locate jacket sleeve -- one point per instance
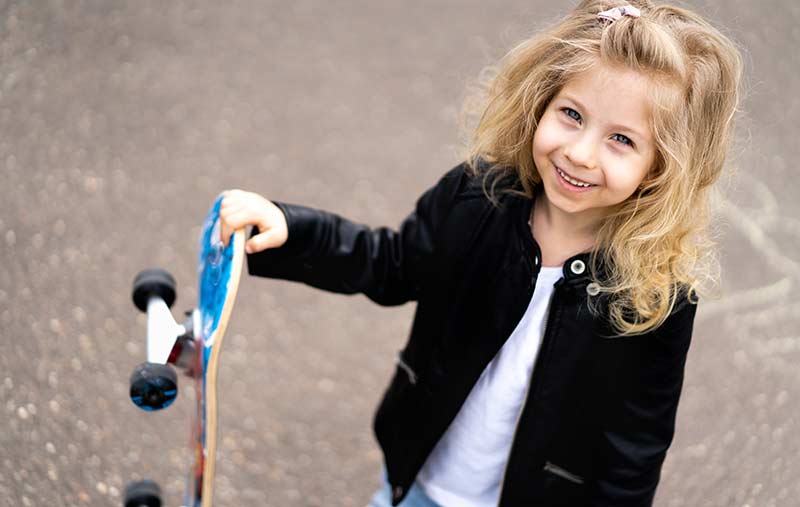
(637, 431)
(330, 252)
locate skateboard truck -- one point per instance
(154, 384)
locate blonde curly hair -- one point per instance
(655, 245)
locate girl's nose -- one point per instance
(581, 151)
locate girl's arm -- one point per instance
(329, 252)
(637, 431)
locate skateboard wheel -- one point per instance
(153, 281)
(144, 493)
(153, 386)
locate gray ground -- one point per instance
(120, 122)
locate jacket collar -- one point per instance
(575, 268)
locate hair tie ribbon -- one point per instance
(617, 12)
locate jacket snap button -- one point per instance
(577, 266)
(398, 492)
(593, 289)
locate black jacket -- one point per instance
(600, 411)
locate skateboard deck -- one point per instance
(219, 269)
(194, 347)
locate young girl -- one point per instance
(556, 270)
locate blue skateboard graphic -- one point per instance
(193, 347)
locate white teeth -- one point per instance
(575, 182)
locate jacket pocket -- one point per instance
(401, 394)
(562, 488)
(403, 412)
(564, 474)
(403, 365)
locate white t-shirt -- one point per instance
(466, 466)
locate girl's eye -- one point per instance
(575, 115)
(622, 139)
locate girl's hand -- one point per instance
(240, 208)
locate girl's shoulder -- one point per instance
(483, 179)
(462, 181)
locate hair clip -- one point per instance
(617, 12)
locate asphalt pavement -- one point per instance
(121, 121)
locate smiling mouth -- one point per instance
(573, 181)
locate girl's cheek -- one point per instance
(548, 136)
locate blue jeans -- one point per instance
(416, 496)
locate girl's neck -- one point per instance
(573, 232)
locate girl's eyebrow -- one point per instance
(616, 126)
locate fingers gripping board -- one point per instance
(219, 269)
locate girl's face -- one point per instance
(596, 130)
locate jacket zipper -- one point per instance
(538, 364)
(563, 473)
(412, 377)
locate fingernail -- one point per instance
(248, 249)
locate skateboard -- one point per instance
(193, 347)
